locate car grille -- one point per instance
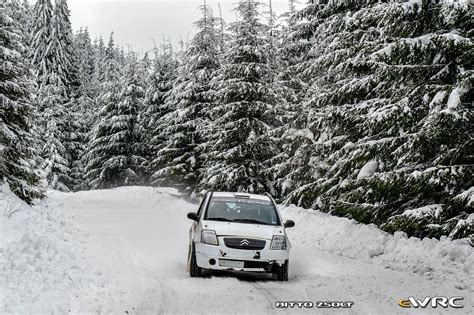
(244, 243)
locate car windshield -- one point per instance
(242, 210)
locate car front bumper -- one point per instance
(220, 257)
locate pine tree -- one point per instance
(77, 112)
(21, 14)
(178, 161)
(131, 106)
(159, 84)
(112, 158)
(86, 92)
(67, 70)
(65, 65)
(99, 60)
(245, 111)
(223, 36)
(81, 108)
(42, 27)
(290, 168)
(56, 161)
(390, 115)
(78, 128)
(84, 55)
(145, 67)
(17, 154)
(57, 80)
(293, 45)
(121, 56)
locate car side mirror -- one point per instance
(289, 224)
(193, 216)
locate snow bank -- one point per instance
(442, 258)
(42, 269)
(39, 267)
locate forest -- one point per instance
(358, 108)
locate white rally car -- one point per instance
(238, 231)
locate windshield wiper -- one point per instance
(251, 221)
(219, 219)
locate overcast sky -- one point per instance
(136, 22)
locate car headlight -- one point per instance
(278, 242)
(209, 237)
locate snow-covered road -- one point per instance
(132, 243)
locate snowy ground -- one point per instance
(124, 251)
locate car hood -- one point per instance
(243, 229)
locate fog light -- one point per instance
(212, 261)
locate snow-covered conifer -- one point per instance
(61, 46)
(17, 145)
(52, 96)
(289, 168)
(80, 108)
(112, 158)
(158, 85)
(41, 56)
(21, 14)
(98, 49)
(84, 56)
(244, 113)
(145, 66)
(178, 161)
(389, 107)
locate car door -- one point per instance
(192, 230)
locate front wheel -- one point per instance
(194, 269)
(281, 272)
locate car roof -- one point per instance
(225, 194)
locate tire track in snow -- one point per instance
(268, 295)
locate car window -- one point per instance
(242, 210)
(201, 206)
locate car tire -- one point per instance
(194, 270)
(281, 272)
